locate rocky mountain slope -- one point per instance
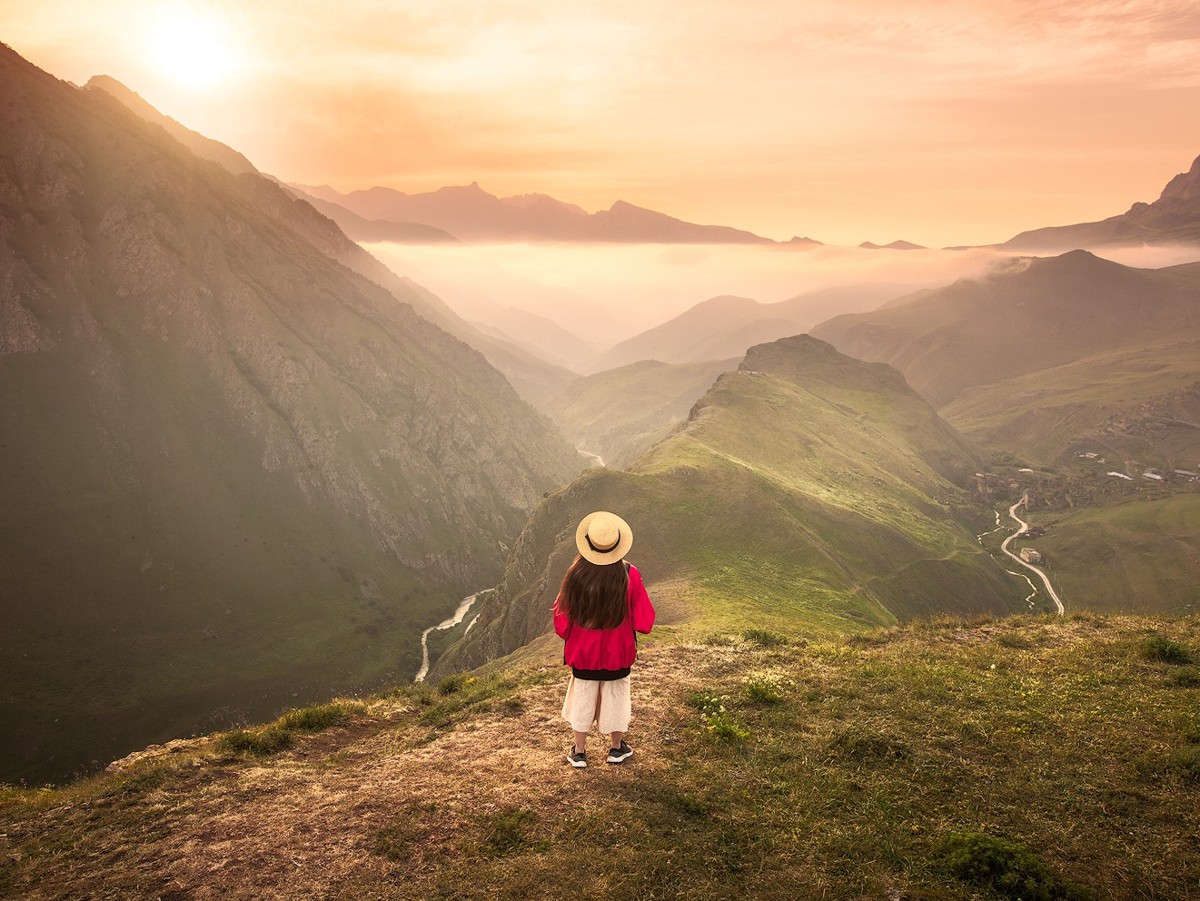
(535, 379)
(1172, 219)
(843, 513)
(218, 439)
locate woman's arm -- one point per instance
(641, 610)
(561, 624)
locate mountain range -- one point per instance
(1080, 377)
(1174, 218)
(846, 512)
(237, 471)
(472, 214)
(1046, 355)
(725, 327)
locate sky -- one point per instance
(936, 121)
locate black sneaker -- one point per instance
(621, 754)
(577, 758)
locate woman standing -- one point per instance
(601, 604)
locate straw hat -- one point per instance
(603, 538)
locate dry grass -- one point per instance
(1058, 739)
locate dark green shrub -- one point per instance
(1162, 650)
(321, 716)
(452, 683)
(765, 638)
(259, 742)
(1007, 868)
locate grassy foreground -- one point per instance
(1020, 758)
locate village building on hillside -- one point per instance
(1029, 555)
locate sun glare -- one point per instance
(192, 45)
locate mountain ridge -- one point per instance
(218, 438)
(1174, 218)
(726, 326)
(469, 213)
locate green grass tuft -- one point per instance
(1007, 868)
(321, 716)
(864, 744)
(1186, 677)
(258, 742)
(509, 831)
(766, 688)
(1162, 650)
(765, 638)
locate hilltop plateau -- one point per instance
(946, 760)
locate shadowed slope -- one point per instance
(236, 471)
(620, 413)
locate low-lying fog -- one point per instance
(604, 293)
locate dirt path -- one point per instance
(1022, 526)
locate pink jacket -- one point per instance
(607, 649)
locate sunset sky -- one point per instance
(939, 121)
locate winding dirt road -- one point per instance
(1012, 512)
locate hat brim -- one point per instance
(603, 558)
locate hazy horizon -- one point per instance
(605, 293)
(939, 123)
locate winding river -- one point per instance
(449, 623)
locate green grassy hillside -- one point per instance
(1135, 554)
(1028, 316)
(1141, 402)
(1023, 758)
(1053, 359)
(805, 488)
(619, 414)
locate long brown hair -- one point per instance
(593, 596)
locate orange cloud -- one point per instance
(941, 121)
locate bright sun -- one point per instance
(192, 45)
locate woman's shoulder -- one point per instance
(633, 571)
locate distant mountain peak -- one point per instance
(203, 147)
(1172, 219)
(1183, 188)
(895, 245)
(803, 358)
